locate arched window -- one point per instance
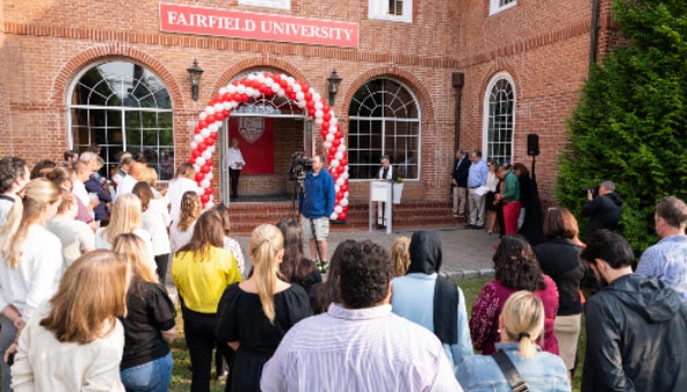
(384, 120)
(499, 116)
(123, 106)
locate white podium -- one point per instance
(381, 192)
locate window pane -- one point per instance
(378, 125)
(500, 126)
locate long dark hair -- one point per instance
(294, 267)
(516, 265)
(328, 292)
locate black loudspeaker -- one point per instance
(533, 144)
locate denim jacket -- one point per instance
(544, 372)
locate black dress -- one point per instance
(241, 319)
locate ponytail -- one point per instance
(523, 319)
(265, 244)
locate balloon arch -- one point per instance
(253, 86)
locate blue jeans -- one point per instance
(153, 376)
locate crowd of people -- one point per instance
(85, 307)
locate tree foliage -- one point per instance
(630, 123)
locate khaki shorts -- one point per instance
(321, 228)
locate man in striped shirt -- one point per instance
(359, 345)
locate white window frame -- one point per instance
(495, 6)
(485, 119)
(279, 4)
(379, 9)
(385, 121)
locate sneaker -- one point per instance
(323, 267)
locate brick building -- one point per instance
(422, 78)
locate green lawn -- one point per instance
(181, 376)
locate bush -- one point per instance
(630, 124)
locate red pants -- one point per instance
(511, 211)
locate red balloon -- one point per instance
(339, 195)
(196, 131)
(199, 177)
(342, 216)
(202, 124)
(338, 134)
(326, 108)
(344, 188)
(311, 112)
(325, 125)
(202, 146)
(305, 87)
(205, 169)
(208, 163)
(339, 169)
(336, 143)
(343, 162)
(210, 118)
(330, 157)
(192, 160)
(195, 153)
(308, 96)
(208, 191)
(327, 116)
(205, 199)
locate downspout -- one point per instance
(458, 80)
(594, 33)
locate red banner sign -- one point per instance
(236, 24)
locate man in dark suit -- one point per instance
(460, 182)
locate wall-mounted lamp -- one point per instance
(333, 83)
(195, 72)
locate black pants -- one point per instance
(234, 175)
(162, 262)
(199, 329)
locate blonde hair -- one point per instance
(190, 210)
(523, 319)
(67, 201)
(149, 175)
(38, 194)
(125, 216)
(134, 252)
(400, 255)
(92, 294)
(266, 241)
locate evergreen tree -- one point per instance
(631, 123)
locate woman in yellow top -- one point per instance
(201, 270)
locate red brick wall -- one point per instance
(543, 44)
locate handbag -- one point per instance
(517, 384)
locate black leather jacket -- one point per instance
(636, 337)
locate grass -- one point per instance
(181, 375)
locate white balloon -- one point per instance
(342, 148)
(344, 175)
(233, 105)
(231, 89)
(194, 144)
(333, 216)
(213, 127)
(318, 114)
(199, 138)
(344, 202)
(218, 107)
(223, 90)
(318, 121)
(251, 76)
(327, 145)
(334, 163)
(332, 129)
(261, 78)
(209, 110)
(205, 132)
(340, 181)
(226, 105)
(316, 97)
(211, 149)
(206, 154)
(196, 167)
(209, 176)
(300, 96)
(338, 209)
(330, 137)
(297, 87)
(291, 80)
(337, 188)
(205, 183)
(200, 161)
(338, 156)
(202, 116)
(318, 104)
(333, 121)
(241, 89)
(251, 92)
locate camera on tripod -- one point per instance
(300, 166)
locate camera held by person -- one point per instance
(603, 207)
(300, 166)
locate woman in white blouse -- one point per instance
(125, 218)
(155, 220)
(236, 163)
(491, 185)
(183, 182)
(181, 231)
(30, 265)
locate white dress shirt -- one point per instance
(235, 159)
(368, 349)
(178, 238)
(176, 191)
(126, 186)
(155, 221)
(38, 275)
